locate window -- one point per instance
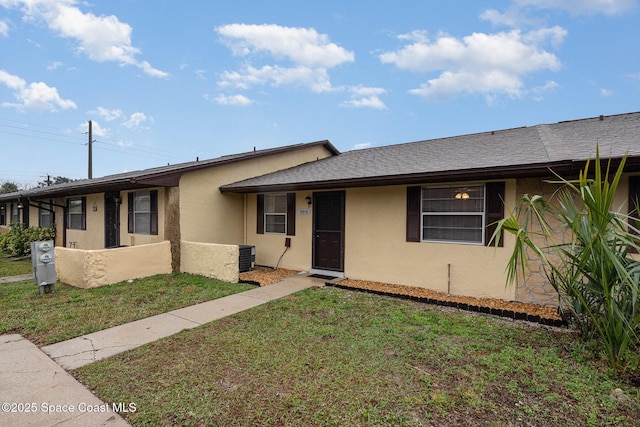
(276, 214)
(3, 214)
(77, 209)
(15, 213)
(143, 212)
(459, 214)
(453, 214)
(45, 216)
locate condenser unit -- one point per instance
(247, 258)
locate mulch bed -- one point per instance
(263, 276)
(513, 310)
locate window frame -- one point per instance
(45, 209)
(455, 189)
(267, 214)
(152, 212)
(82, 213)
(290, 229)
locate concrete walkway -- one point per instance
(20, 278)
(33, 379)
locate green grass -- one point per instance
(11, 267)
(327, 356)
(70, 312)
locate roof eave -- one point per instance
(488, 173)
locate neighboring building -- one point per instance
(416, 214)
(174, 202)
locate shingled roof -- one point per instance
(160, 176)
(519, 152)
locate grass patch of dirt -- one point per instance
(14, 266)
(70, 312)
(327, 356)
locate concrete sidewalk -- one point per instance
(31, 381)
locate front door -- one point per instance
(111, 219)
(328, 231)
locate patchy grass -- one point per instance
(327, 356)
(9, 266)
(70, 312)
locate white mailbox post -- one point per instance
(44, 268)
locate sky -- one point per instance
(169, 81)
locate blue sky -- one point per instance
(167, 81)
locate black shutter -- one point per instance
(84, 213)
(130, 212)
(291, 214)
(414, 197)
(153, 214)
(494, 210)
(25, 213)
(260, 214)
(634, 203)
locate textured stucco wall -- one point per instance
(207, 215)
(376, 247)
(210, 260)
(95, 268)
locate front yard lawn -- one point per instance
(328, 357)
(70, 312)
(12, 266)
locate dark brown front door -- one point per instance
(328, 231)
(111, 219)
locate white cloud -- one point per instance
(101, 38)
(233, 100)
(35, 96)
(582, 7)
(97, 131)
(488, 64)
(4, 28)
(606, 92)
(54, 65)
(316, 79)
(109, 115)
(310, 54)
(361, 146)
(303, 46)
(366, 97)
(136, 120)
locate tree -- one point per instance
(584, 246)
(8, 187)
(54, 181)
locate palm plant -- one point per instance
(584, 246)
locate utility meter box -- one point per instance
(44, 268)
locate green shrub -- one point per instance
(17, 241)
(597, 279)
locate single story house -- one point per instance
(418, 213)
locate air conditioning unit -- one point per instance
(247, 259)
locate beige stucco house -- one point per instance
(420, 213)
(416, 214)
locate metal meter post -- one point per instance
(44, 268)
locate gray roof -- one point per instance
(160, 176)
(525, 151)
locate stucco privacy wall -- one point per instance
(207, 215)
(376, 247)
(95, 268)
(210, 260)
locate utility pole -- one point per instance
(90, 152)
